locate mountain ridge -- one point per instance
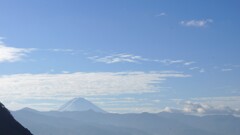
(95, 123)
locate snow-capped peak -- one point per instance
(80, 104)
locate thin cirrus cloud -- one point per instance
(196, 23)
(130, 58)
(68, 85)
(61, 50)
(169, 62)
(201, 70)
(118, 58)
(179, 61)
(12, 54)
(161, 14)
(227, 67)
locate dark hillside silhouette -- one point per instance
(8, 125)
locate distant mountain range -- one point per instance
(8, 125)
(91, 121)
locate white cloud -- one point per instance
(12, 54)
(59, 86)
(209, 106)
(189, 63)
(118, 58)
(194, 108)
(196, 23)
(207, 109)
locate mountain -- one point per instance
(8, 125)
(95, 123)
(68, 123)
(80, 104)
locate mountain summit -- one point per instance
(80, 104)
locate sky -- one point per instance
(123, 55)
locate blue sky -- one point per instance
(125, 56)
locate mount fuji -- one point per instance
(79, 104)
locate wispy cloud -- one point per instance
(67, 51)
(61, 50)
(130, 58)
(194, 68)
(182, 62)
(227, 67)
(169, 61)
(12, 54)
(118, 58)
(161, 14)
(189, 63)
(201, 70)
(68, 85)
(196, 23)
